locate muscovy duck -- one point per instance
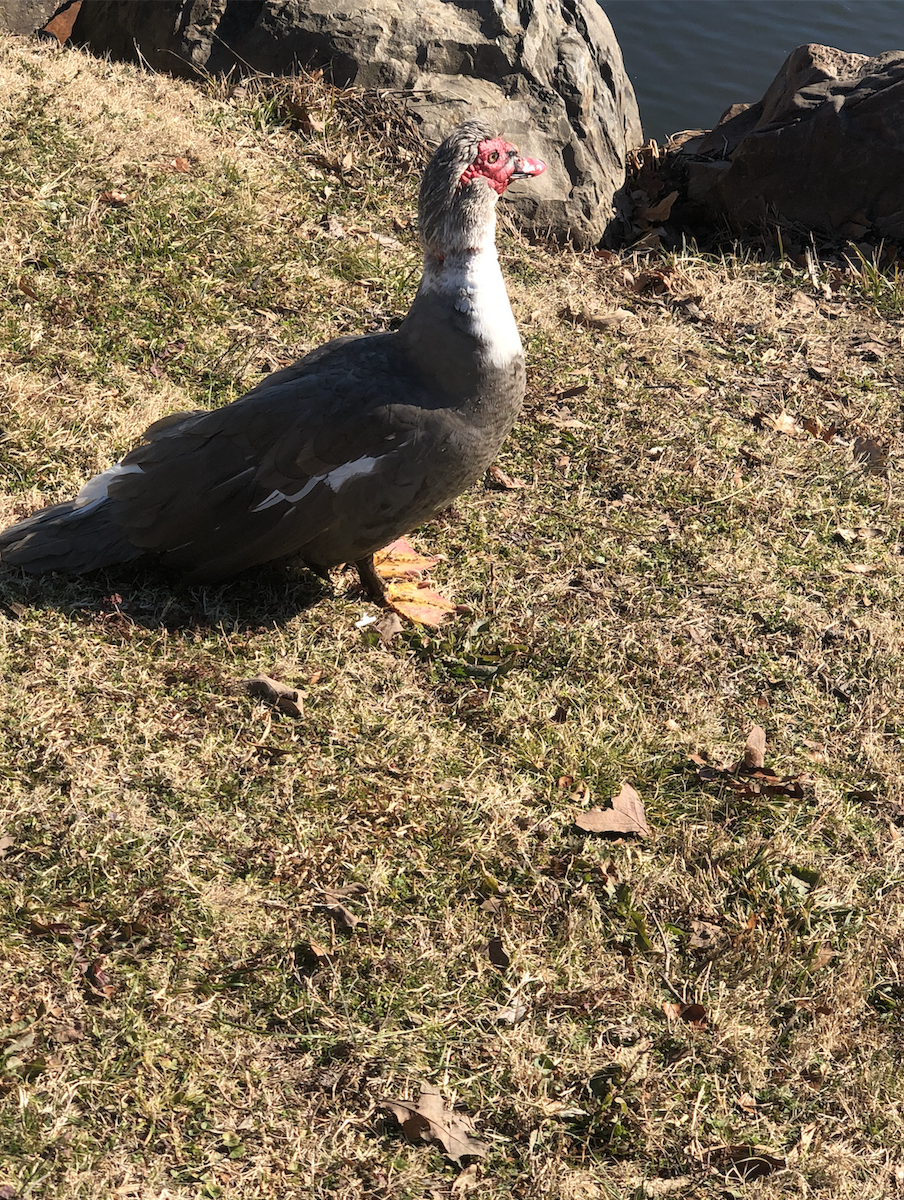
(333, 457)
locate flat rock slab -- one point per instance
(549, 75)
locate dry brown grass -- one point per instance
(671, 575)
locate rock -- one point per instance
(550, 76)
(824, 148)
(26, 16)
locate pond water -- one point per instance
(690, 59)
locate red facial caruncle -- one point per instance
(500, 163)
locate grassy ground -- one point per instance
(182, 1016)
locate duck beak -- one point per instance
(527, 168)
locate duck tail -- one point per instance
(67, 537)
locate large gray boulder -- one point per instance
(549, 74)
(26, 16)
(823, 148)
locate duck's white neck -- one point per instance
(470, 280)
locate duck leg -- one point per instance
(375, 586)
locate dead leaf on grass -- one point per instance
(704, 935)
(428, 1119)
(825, 433)
(661, 211)
(340, 915)
(874, 351)
(507, 482)
(334, 908)
(467, 1181)
(755, 750)
(783, 422)
(287, 699)
(6, 842)
(745, 1162)
(871, 454)
(114, 197)
(497, 954)
(694, 1014)
(387, 626)
(747, 779)
(97, 980)
(590, 319)
(627, 815)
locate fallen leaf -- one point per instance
(825, 433)
(755, 750)
(822, 958)
(25, 286)
(745, 1162)
(590, 319)
(801, 302)
(505, 481)
(286, 699)
(98, 980)
(310, 956)
(383, 239)
(512, 1013)
(747, 1102)
(497, 954)
(872, 455)
(6, 842)
(335, 228)
(627, 815)
(113, 197)
(694, 1014)
(704, 935)
(784, 422)
(873, 351)
(428, 1119)
(346, 891)
(467, 1181)
(387, 626)
(340, 915)
(661, 211)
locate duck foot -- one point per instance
(397, 570)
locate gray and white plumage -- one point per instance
(332, 458)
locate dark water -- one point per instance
(690, 59)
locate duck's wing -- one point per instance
(215, 492)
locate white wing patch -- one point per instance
(334, 479)
(98, 487)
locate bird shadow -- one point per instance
(150, 597)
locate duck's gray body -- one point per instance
(332, 458)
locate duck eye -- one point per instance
(493, 156)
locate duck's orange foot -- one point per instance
(401, 567)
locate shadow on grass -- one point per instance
(150, 597)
